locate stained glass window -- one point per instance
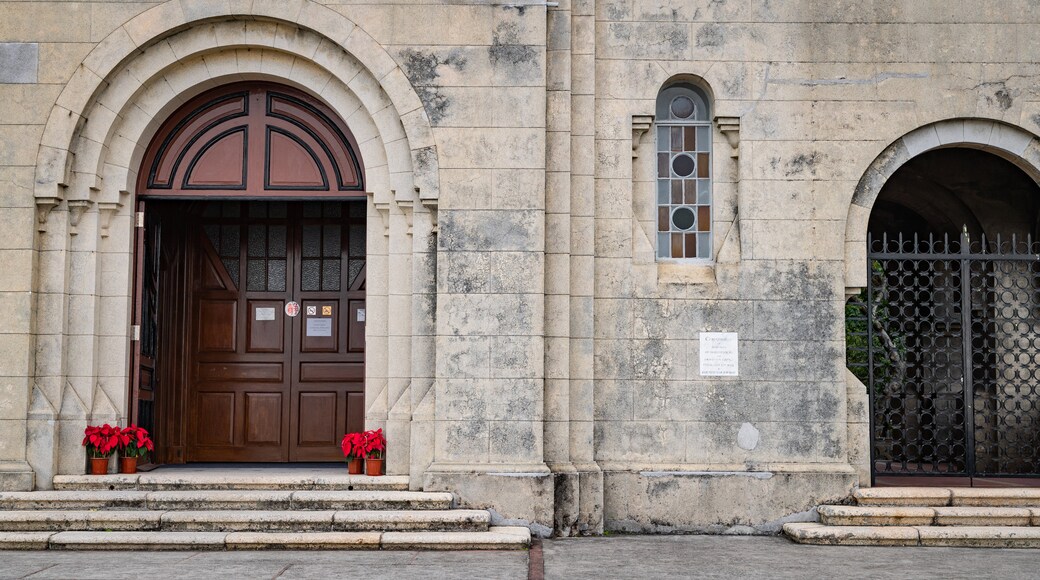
(684, 175)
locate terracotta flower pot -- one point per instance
(127, 465)
(98, 465)
(373, 467)
(354, 466)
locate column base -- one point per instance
(516, 495)
(16, 476)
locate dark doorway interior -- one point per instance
(947, 335)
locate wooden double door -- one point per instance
(277, 330)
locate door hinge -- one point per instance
(135, 333)
(139, 219)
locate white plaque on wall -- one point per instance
(718, 354)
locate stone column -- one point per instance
(51, 311)
(399, 334)
(582, 263)
(424, 331)
(376, 309)
(17, 228)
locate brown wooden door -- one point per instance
(268, 386)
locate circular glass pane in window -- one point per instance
(683, 218)
(683, 165)
(682, 107)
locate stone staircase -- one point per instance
(212, 511)
(928, 516)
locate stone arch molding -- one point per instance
(1007, 141)
(87, 165)
(79, 128)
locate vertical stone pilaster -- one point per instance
(49, 382)
(399, 333)
(424, 331)
(17, 228)
(582, 264)
(491, 301)
(377, 235)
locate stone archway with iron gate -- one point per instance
(943, 323)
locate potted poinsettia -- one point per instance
(134, 443)
(374, 446)
(101, 442)
(353, 450)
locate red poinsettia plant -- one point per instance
(352, 446)
(373, 444)
(101, 442)
(134, 441)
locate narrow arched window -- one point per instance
(683, 173)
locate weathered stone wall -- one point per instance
(526, 350)
(821, 89)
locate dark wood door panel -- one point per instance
(218, 325)
(264, 418)
(265, 325)
(266, 386)
(215, 419)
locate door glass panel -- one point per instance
(311, 241)
(256, 275)
(357, 241)
(330, 275)
(355, 269)
(276, 241)
(277, 209)
(257, 241)
(276, 275)
(332, 209)
(331, 245)
(258, 209)
(310, 279)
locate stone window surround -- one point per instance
(86, 172)
(644, 150)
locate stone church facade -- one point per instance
(566, 212)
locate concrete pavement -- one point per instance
(598, 558)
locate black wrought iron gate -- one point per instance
(950, 331)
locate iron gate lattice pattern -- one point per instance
(947, 334)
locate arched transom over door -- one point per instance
(255, 140)
(251, 280)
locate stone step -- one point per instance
(843, 515)
(496, 538)
(225, 500)
(236, 480)
(952, 496)
(948, 536)
(245, 520)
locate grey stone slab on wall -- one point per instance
(19, 62)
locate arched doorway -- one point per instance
(946, 334)
(250, 279)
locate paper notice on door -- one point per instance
(361, 315)
(319, 327)
(265, 313)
